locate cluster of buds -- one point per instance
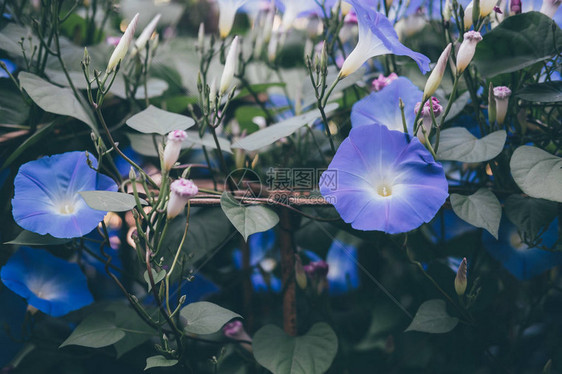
(427, 117)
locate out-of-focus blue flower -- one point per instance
(446, 226)
(47, 199)
(383, 107)
(384, 180)
(11, 68)
(376, 37)
(292, 9)
(518, 258)
(262, 260)
(122, 165)
(48, 283)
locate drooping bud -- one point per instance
(427, 118)
(146, 34)
(181, 190)
(460, 279)
(436, 75)
(173, 148)
(467, 49)
(549, 7)
(501, 94)
(123, 46)
(229, 66)
(382, 81)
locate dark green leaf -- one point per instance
(33, 139)
(432, 317)
(136, 330)
(519, 41)
(30, 238)
(109, 201)
(155, 120)
(280, 353)
(13, 108)
(548, 92)
(96, 331)
(156, 276)
(54, 99)
(458, 144)
(248, 219)
(481, 209)
(537, 172)
(203, 318)
(528, 214)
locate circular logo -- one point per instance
(243, 182)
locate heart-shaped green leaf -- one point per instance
(481, 209)
(458, 144)
(204, 318)
(432, 317)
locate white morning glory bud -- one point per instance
(549, 7)
(146, 34)
(501, 94)
(227, 12)
(272, 47)
(229, 66)
(436, 75)
(181, 190)
(447, 10)
(267, 28)
(213, 93)
(173, 148)
(460, 279)
(486, 7)
(427, 118)
(467, 49)
(201, 37)
(121, 50)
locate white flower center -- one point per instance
(65, 206)
(384, 190)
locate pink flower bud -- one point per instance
(426, 115)
(515, 6)
(467, 49)
(173, 148)
(235, 330)
(501, 94)
(382, 81)
(181, 190)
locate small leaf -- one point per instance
(248, 219)
(157, 276)
(528, 214)
(271, 134)
(203, 318)
(458, 144)
(432, 317)
(109, 201)
(547, 92)
(154, 120)
(54, 99)
(311, 353)
(159, 361)
(537, 172)
(482, 209)
(96, 331)
(30, 238)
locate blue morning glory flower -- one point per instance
(48, 283)
(384, 180)
(263, 261)
(376, 37)
(383, 108)
(517, 257)
(47, 201)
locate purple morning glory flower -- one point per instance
(384, 180)
(376, 37)
(517, 257)
(46, 199)
(48, 283)
(383, 107)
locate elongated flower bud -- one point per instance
(549, 7)
(121, 50)
(173, 148)
(213, 93)
(467, 49)
(436, 75)
(486, 7)
(501, 94)
(467, 19)
(181, 190)
(201, 37)
(146, 33)
(460, 279)
(229, 66)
